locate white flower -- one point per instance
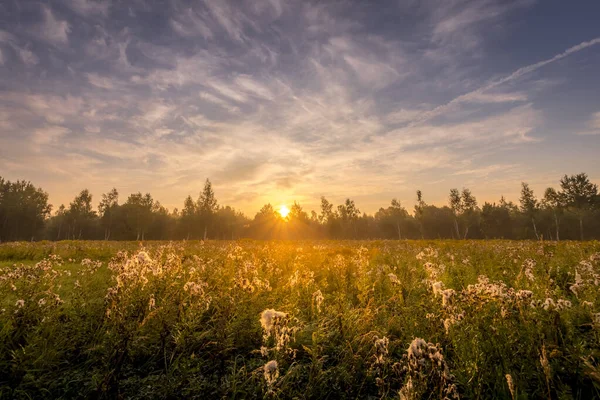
(271, 372)
(20, 303)
(447, 296)
(318, 299)
(437, 287)
(394, 279)
(381, 348)
(268, 318)
(143, 257)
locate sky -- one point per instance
(278, 101)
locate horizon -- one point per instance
(283, 101)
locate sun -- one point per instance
(284, 211)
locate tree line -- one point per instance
(571, 212)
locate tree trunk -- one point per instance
(556, 223)
(581, 227)
(456, 228)
(535, 229)
(399, 231)
(205, 231)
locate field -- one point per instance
(327, 319)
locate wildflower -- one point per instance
(548, 304)
(270, 317)
(20, 303)
(271, 372)
(447, 296)
(318, 299)
(406, 393)
(41, 302)
(447, 324)
(394, 279)
(437, 287)
(587, 304)
(562, 304)
(545, 363)
(523, 294)
(151, 303)
(511, 385)
(143, 258)
(381, 349)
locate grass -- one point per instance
(339, 319)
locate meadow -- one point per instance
(304, 320)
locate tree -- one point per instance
(398, 214)
(81, 214)
(107, 210)
(207, 206)
(188, 217)
(579, 196)
(326, 210)
(298, 222)
(138, 213)
(469, 210)
(529, 205)
(267, 223)
(553, 201)
(349, 214)
(496, 221)
(60, 218)
(464, 207)
(456, 205)
(419, 209)
(23, 210)
(391, 220)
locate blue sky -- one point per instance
(280, 100)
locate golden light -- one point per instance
(284, 211)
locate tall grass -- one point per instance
(323, 319)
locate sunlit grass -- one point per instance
(300, 319)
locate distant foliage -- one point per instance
(571, 212)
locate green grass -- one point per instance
(134, 329)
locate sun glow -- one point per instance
(284, 211)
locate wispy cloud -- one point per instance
(276, 100)
(592, 125)
(54, 30)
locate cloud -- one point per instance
(274, 101)
(475, 94)
(100, 81)
(190, 23)
(49, 134)
(52, 29)
(89, 7)
(592, 126)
